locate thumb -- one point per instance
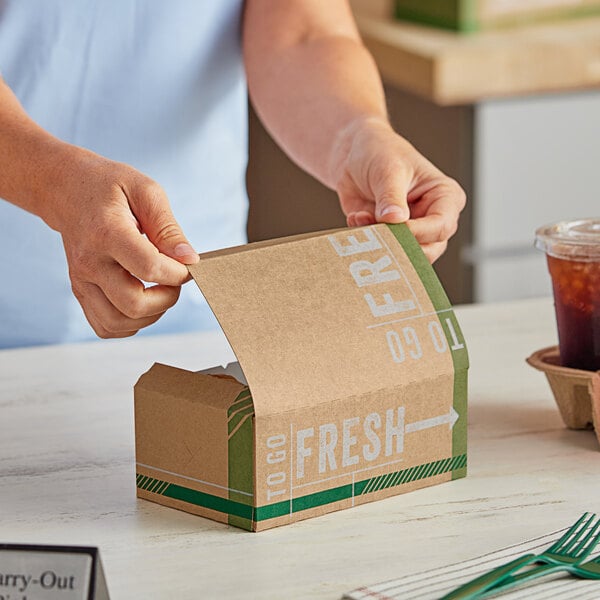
(152, 209)
(391, 205)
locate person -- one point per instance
(123, 124)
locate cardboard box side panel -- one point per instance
(230, 490)
(157, 480)
(178, 437)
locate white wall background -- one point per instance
(537, 161)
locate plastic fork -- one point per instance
(573, 547)
(586, 570)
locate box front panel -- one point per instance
(355, 450)
(345, 453)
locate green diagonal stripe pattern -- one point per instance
(244, 514)
(238, 406)
(238, 417)
(179, 492)
(242, 397)
(382, 482)
(151, 484)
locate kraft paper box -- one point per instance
(473, 15)
(357, 383)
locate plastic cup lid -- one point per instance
(574, 240)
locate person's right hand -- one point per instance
(118, 231)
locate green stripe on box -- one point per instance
(240, 448)
(423, 267)
(242, 397)
(238, 417)
(454, 336)
(242, 514)
(235, 510)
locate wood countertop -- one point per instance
(450, 68)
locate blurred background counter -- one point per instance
(513, 114)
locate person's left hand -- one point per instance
(381, 178)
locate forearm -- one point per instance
(311, 87)
(31, 158)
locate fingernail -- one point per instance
(182, 250)
(363, 219)
(394, 210)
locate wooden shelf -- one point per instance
(450, 68)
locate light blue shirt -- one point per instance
(157, 85)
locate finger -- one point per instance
(434, 251)
(106, 320)
(390, 190)
(436, 212)
(129, 295)
(150, 206)
(140, 257)
(360, 219)
(433, 228)
(126, 293)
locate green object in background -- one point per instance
(467, 16)
(459, 15)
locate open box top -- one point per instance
(309, 317)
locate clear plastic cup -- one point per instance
(573, 253)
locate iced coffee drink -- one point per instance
(573, 253)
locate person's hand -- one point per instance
(118, 231)
(381, 178)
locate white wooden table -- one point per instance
(67, 474)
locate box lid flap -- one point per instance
(318, 317)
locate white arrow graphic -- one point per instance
(450, 417)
